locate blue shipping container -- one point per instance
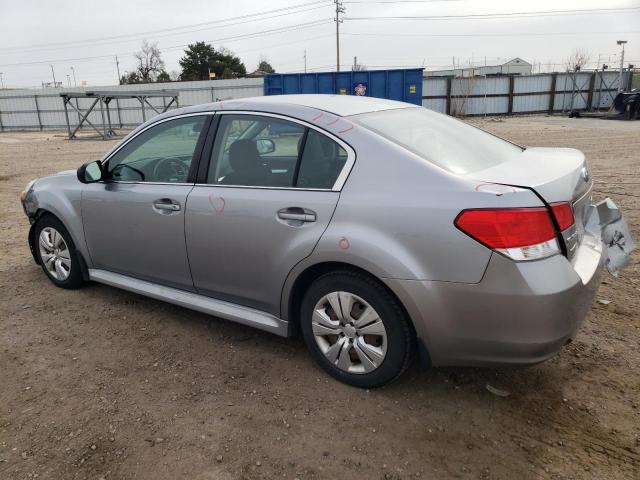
(402, 85)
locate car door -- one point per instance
(134, 220)
(260, 206)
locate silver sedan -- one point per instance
(380, 230)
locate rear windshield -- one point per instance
(440, 139)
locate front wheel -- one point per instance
(57, 254)
(356, 329)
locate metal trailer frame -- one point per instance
(104, 98)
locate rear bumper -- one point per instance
(520, 313)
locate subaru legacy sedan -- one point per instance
(380, 230)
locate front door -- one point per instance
(266, 199)
(134, 221)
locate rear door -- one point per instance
(262, 202)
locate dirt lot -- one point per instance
(100, 383)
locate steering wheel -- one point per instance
(168, 169)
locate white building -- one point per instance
(515, 66)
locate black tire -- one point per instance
(74, 279)
(399, 334)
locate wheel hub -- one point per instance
(349, 331)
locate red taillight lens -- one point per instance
(563, 214)
(507, 227)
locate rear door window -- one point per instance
(254, 150)
(264, 151)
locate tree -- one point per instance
(265, 66)
(163, 76)
(200, 58)
(577, 60)
(150, 63)
(130, 78)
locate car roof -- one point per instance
(340, 105)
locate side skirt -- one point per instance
(229, 311)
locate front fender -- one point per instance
(60, 195)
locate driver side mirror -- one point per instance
(265, 145)
(90, 172)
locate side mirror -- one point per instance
(265, 145)
(90, 172)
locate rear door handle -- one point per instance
(166, 205)
(297, 213)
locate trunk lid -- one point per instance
(556, 175)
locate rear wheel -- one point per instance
(57, 253)
(355, 329)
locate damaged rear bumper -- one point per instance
(521, 312)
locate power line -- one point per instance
(486, 34)
(180, 30)
(484, 16)
(173, 47)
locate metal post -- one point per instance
(552, 92)
(107, 100)
(600, 89)
(511, 86)
(119, 113)
(592, 84)
(66, 114)
(77, 108)
(35, 99)
(622, 43)
(144, 116)
(448, 100)
(104, 124)
(339, 10)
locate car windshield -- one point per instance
(440, 139)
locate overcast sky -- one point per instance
(65, 34)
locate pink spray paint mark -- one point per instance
(350, 127)
(344, 244)
(317, 116)
(218, 206)
(336, 120)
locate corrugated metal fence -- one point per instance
(555, 92)
(548, 93)
(43, 108)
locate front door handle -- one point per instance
(297, 213)
(166, 205)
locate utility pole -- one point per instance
(355, 62)
(1, 81)
(305, 61)
(69, 81)
(339, 9)
(118, 69)
(73, 70)
(620, 87)
(54, 76)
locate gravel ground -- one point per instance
(101, 383)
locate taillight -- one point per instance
(563, 213)
(519, 233)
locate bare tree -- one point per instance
(358, 67)
(150, 63)
(577, 60)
